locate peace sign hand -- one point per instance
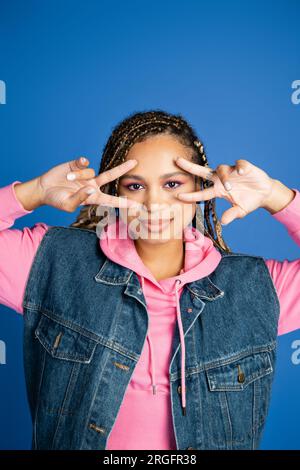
(249, 186)
(72, 184)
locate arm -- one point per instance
(247, 187)
(286, 274)
(53, 188)
(17, 247)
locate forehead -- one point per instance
(157, 155)
(158, 146)
(156, 158)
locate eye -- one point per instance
(176, 182)
(131, 186)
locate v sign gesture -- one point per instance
(71, 184)
(244, 185)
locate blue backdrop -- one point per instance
(70, 70)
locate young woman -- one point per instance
(144, 330)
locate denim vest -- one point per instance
(85, 324)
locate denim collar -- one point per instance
(115, 274)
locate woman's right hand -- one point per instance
(54, 188)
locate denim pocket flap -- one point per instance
(64, 342)
(239, 373)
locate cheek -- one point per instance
(128, 219)
(136, 195)
(184, 212)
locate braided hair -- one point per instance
(137, 127)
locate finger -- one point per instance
(75, 199)
(196, 169)
(85, 174)
(79, 163)
(113, 173)
(235, 212)
(112, 201)
(242, 166)
(204, 195)
(224, 171)
(117, 201)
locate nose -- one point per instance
(152, 207)
(157, 209)
(156, 204)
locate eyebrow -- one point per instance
(166, 175)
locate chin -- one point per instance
(155, 238)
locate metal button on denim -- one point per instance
(241, 378)
(241, 375)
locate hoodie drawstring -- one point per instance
(183, 392)
(182, 343)
(151, 353)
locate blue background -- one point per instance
(73, 69)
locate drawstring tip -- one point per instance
(154, 389)
(183, 411)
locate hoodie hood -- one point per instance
(201, 258)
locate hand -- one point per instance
(250, 188)
(59, 191)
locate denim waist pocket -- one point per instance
(238, 397)
(239, 373)
(63, 341)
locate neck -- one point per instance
(163, 260)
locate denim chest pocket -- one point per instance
(238, 397)
(237, 375)
(64, 342)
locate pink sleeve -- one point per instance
(17, 249)
(286, 274)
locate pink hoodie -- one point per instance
(144, 420)
(201, 258)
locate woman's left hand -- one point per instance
(250, 187)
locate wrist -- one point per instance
(29, 194)
(280, 197)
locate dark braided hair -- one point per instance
(137, 127)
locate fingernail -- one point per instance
(83, 160)
(71, 176)
(227, 186)
(240, 171)
(90, 190)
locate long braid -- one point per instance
(210, 206)
(137, 127)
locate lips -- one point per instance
(156, 224)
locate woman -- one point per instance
(94, 292)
